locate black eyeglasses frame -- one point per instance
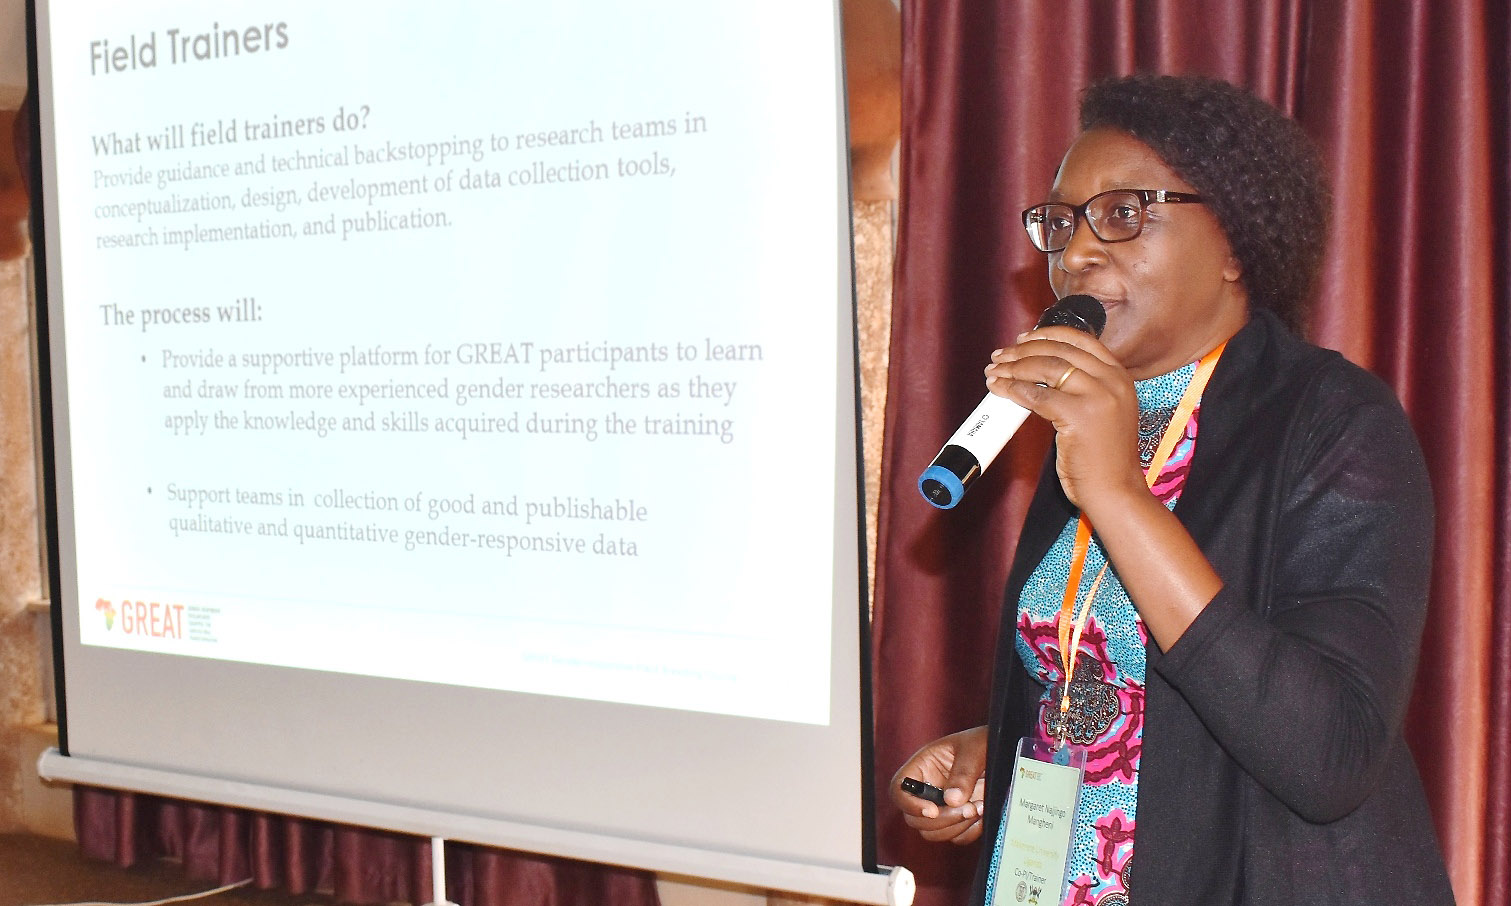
(1146, 197)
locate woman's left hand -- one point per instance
(1069, 378)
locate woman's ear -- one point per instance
(1232, 270)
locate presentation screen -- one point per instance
(453, 406)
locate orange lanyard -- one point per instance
(1071, 624)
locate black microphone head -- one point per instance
(1079, 311)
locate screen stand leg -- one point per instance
(438, 873)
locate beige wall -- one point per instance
(20, 689)
(23, 802)
(12, 50)
(21, 696)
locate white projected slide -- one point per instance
(491, 350)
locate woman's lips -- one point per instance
(1107, 300)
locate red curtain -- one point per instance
(1408, 102)
(356, 865)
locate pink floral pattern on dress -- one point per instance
(1172, 478)
(1114, 834)
(1114, 752)
(1106, 717)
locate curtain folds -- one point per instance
(355, 865)
(1409, 103)
(1497, 805)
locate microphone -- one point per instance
(987, 430)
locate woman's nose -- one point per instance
(1083, 250)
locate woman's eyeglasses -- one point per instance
(1114, 216)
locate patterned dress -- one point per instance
(1106, 716)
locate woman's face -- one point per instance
(1172, 293)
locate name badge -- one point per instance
(1032, 851)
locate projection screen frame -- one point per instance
(882, 886)
(892, 886)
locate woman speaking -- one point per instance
(1213, 614)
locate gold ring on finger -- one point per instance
(1065, 377)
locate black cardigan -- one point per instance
(1274, 770)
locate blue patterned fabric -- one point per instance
(1107, 692)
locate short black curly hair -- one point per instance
(1259, 172)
